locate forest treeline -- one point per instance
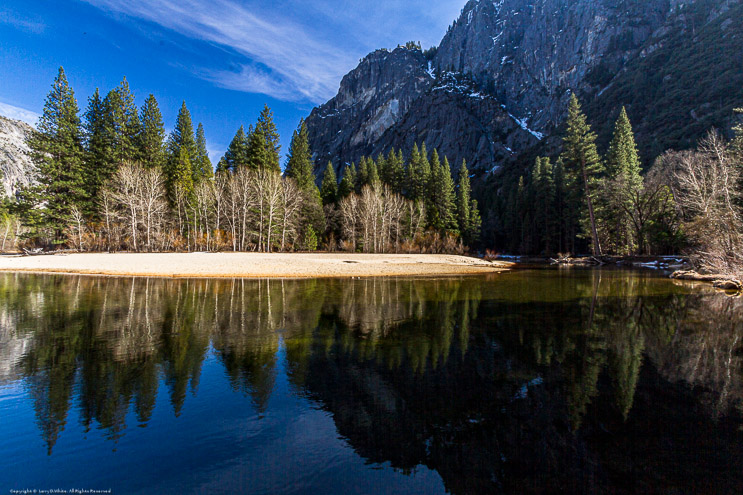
(112, 180)
(687, 201)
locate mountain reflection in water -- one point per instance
(526, 382)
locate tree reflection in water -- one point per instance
(520, 383)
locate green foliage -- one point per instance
(236, 155)
(264, 147)
(310, 239)
(468, 216)
(121, 127)
(181, 147)
(152, 134)
(329, 187)
(441, 202)
(300, 166)
(583, 164)
(202, 165)
(57, 152)
(347, 186)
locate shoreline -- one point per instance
(251, 265)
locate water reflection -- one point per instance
(519, 383)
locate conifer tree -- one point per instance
(347, 186)
(122, 126)
(236, 155)
(257, 154)
(468, 214)
(329, 188)
(582, 161)
(395, 171)
(418, 174)
(362, 174)
(202, 165)
(625, 182)
(57, 152)
(543, 197)
(447, 199)
(265, 156)
(151, 141)
(299, 165)
(181, 147)
(374, 180)
(96, 150)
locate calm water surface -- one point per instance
(548, 381)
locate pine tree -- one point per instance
(362, 174)
(329, 188)
(299, 165)
(468, 215)
(57, 152)
(266, 134)
(373, 171)
(623, 170)
(738, 139)
(441, 204)
(181, 147)
(582, 161)
(346, 187)
(96, 151)
(202, 165)
(543, 203)
(419, 172)
(152, 134)
(395, 172)
(122, 126)
(257, 155)
(237, 154)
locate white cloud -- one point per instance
(295, 50)
(18, 113)
(297, 65)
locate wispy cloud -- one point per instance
(20, 22)
(294, 50)
(283, 59)
(18, 113)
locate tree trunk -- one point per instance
(594, 232)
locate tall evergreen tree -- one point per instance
(543, 204)
(181, 147)
(362, 174)
(202, 165)
(57, 152)
(329, 188)
(122, 126)
(394, 175)
(267, 136)
(257, 153)
(151, 141)
(468, 214)
(237, 154)
(441, 196)
(96, 150)
(299, 165)
(625, 183)
(347, 185)
(581, 159)
(373, 171)
(419, 172)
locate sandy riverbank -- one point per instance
(251, 265)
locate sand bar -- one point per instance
(251, 265)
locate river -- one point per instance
(532, 381)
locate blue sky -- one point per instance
(226, 58)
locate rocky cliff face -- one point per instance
(530, 53)
(502, 75)
(15, 161)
